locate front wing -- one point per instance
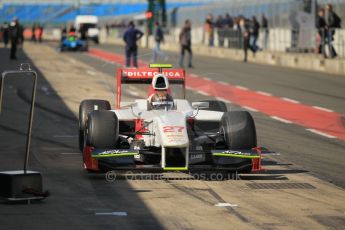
(125, 159)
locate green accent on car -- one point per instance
(101, 153)
(236, 155)
(161, 65)
(175, 168)
(114, 155)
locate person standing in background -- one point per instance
(40, 33)
(228, 22)
(244, 28)
(333, 22)
(5, 33)
(14, 37)
(321, 27)
(107, 29)
(159, 38)
(131, 36)
(264, 26)
(83, 32)
(63, 33)
(209, 29)
(220, 30)
(254, 35)
(186, 43)
(33, 36)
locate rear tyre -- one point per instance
(102, 130)
(85, 108)
(215, 105)
(239, 132)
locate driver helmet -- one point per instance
(161, 98)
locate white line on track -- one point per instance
(110, 213)
(225, 205)
(202, 93)
(206, 78)
(323, 109)
(65, 136)
(133, 93)
(223, 83)
(91, 72)
(189, 88)
(320, 133)
(272, 154)
(250, 109)
(281, 119)
(290, 100)
(241, 87)
(264, 93)
(193, 75)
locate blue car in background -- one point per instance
(72, 42)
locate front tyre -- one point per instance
(238, 130)
(102, 130)
(85, 108)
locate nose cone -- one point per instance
(173, 131)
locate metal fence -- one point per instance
(275, 40)
(278, 12)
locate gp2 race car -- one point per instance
(73, 43)
(165, 135)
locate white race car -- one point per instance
(165, 133)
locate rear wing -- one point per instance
(145, 76)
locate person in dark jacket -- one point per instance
(220, 30)
(131, 36)
(254, 34)
(5, 33)
(159, 38)
(332, 23)
(186, 43)
(63, 33)
(33, 37)
(321, 28)
(83, 32)
(264, 26)
(15, 35)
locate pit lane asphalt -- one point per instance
(87, 201)
(321, 156)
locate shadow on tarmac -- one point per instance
(76, 201)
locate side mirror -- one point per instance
(136, 115)
(200, 105)
(196, 109)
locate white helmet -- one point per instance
(160, 82)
